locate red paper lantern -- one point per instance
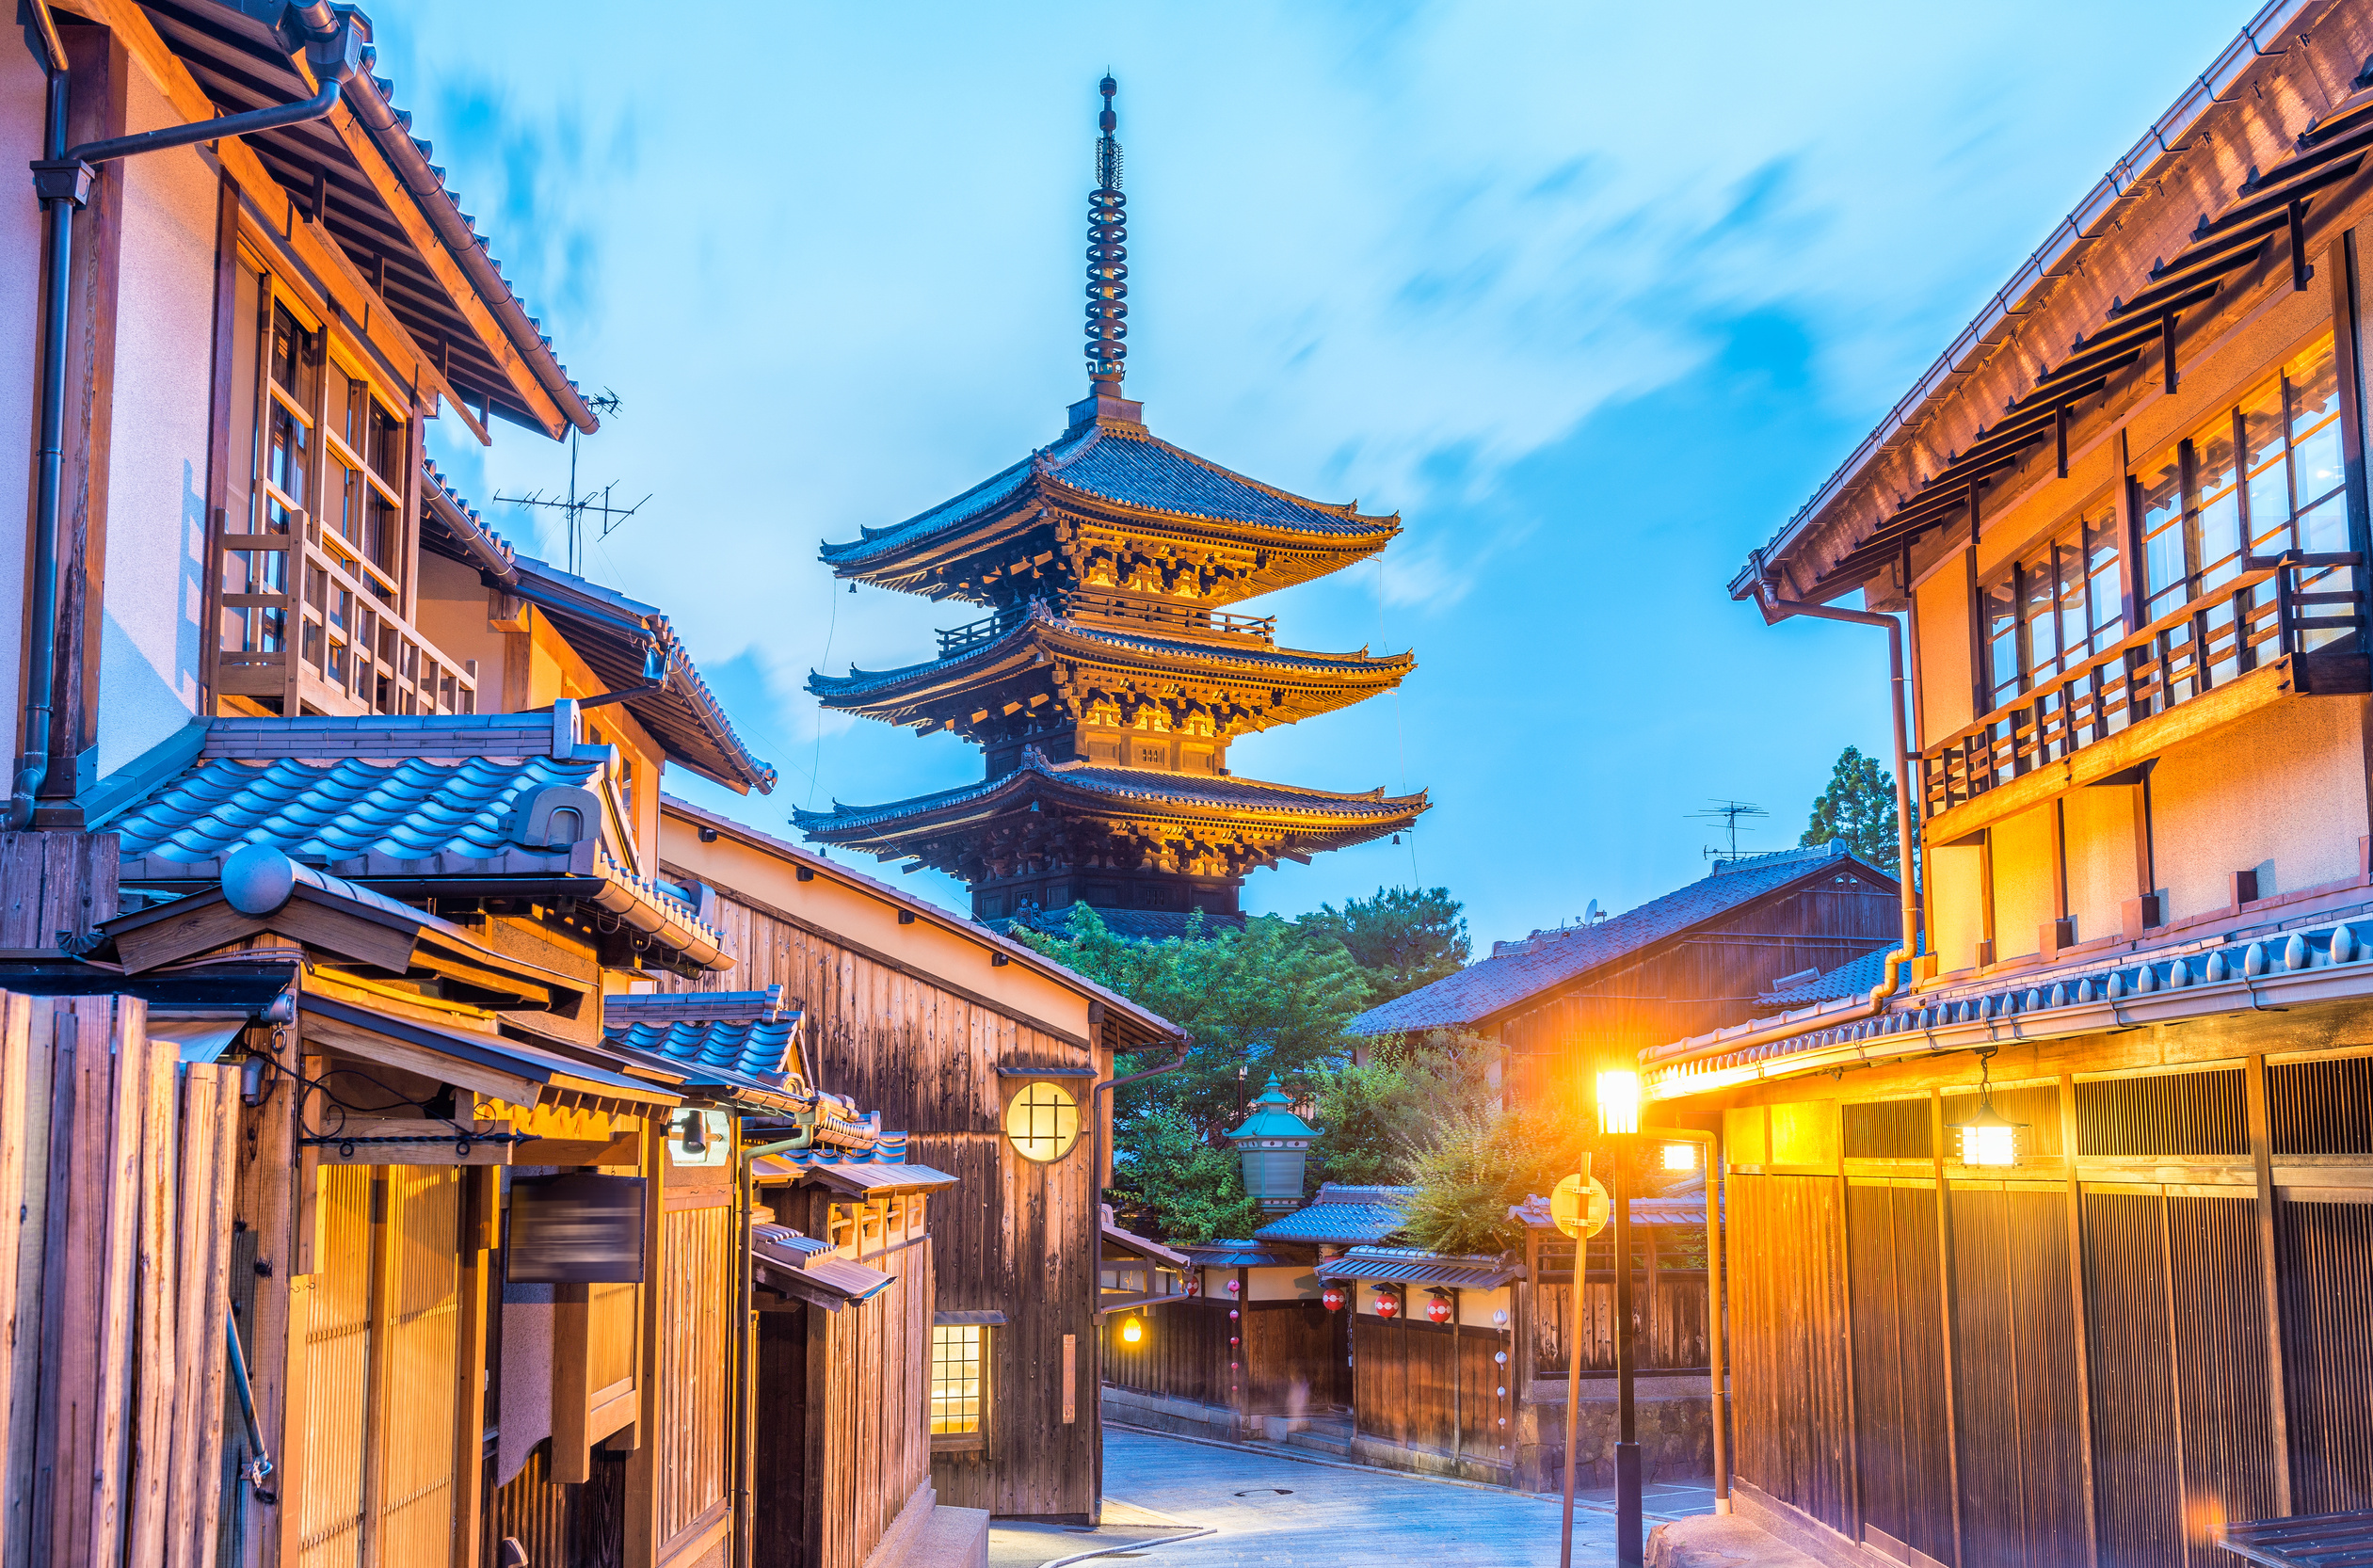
(1438, 1309)
(1332, 1298)
(1388, 1302)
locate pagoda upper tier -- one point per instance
(1111, 506)
(1105, 677)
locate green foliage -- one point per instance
(1859, 808)
(1403, 937)
(1377, 1117)
(1197, 1188)
(1487, 1161)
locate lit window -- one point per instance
(957, 1362)
(1043, 1121)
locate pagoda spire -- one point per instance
(1107, 260)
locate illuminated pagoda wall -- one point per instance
(1113, 667)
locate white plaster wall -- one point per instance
(151, 626)
(2217, 807)
(2025, 881)
(21, 110)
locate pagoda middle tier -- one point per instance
(1111, 678)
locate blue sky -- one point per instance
(1592, 296)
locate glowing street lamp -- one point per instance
(1618, 1102)
(1680, 1157)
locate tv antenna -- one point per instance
(593, 503)
(1727, 812)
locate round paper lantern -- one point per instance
(1388, 1302)
(1234, 1286)
(1332, 1298)
(1500, 1317)
(1438, 1309)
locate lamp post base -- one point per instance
(1628, 1545)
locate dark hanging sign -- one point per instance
(576, 1229)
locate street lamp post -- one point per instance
(1619, 1121)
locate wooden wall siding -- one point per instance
(2022, 1462)
(2181, 1431)
(1183, 1355)
(2325, 1261)
(696, 1360)
(1401, 1385)
(867, 1371)
(1903, 1431)
(2035, 1107)
(1788, 1383)
(1887, 1129)
(2164, 1113)
(2321, 1107)
(1701, 982)
(54, 882)
(1668, 1333)
(779, 1490)
(1015, 1236)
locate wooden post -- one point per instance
(111, 1410)
(1458, 1418)
(2269, 1279)
(481, 1197)
(643, 1462)
(27, 1102)
(2076, 1316)
(1718, 1373)
(156, 1288)
(1949, 1307)
(282, 1182)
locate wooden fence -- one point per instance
(116, 1168)
(1292, 1356)
(1668, 1321)
(1408, 1389)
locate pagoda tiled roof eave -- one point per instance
(1041, 481)
(1002, 655)
(1113, 791)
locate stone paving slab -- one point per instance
(1268, 1507)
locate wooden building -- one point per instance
(2050, 1246)
(996, 1062)
(1680, 964)
(1111, 674)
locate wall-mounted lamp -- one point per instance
(1131, 1330)
(1680, 1157)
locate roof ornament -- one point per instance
(1106, 258)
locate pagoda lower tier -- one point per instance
(1053, 834)
(1105, 679)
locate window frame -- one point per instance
(974, 1440)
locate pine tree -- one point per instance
(1857, 808)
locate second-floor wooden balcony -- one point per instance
(2302, 608)
(1124, 612)
(317, 633)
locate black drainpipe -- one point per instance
(333, 45)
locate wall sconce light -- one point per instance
(1680, 1157)
(1131, 1330)
(1986, 1139)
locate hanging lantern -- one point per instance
(1194, 1283)
(1388, 1302)
(1131, 1330)
(1438, 1309)
(1332, 1298)
(1234, 1286)
(1986, 1139)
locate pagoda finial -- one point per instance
(1107, 260)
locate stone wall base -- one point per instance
(1185, 1417)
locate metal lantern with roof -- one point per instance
(1275, 1143)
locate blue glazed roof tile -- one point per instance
(1343, 1216)
(1518, 970)
(334, 811)
(1858, 977)
(760, 1050)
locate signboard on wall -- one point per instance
(576, 1229)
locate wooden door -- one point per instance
(382, 1375)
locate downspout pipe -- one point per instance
(1907, 830)
(62, 178)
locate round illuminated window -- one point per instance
(1043, 1121)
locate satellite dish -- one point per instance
(1594, 914)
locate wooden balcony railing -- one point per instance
(336, 647)
(2225, 632)
(1121, 610)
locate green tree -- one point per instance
(1403, 937)
(1857, 808)
(1487, 1161)
(1198, 1189)
(1256, 1000)
(1376, 1117)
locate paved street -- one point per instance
(1267, 1507)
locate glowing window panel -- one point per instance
(955, 1378)
(1043, 1121)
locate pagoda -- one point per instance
(1113, 666)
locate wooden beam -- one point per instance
(328, 1033)
(2270, 1278)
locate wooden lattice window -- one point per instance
(960, 1380)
